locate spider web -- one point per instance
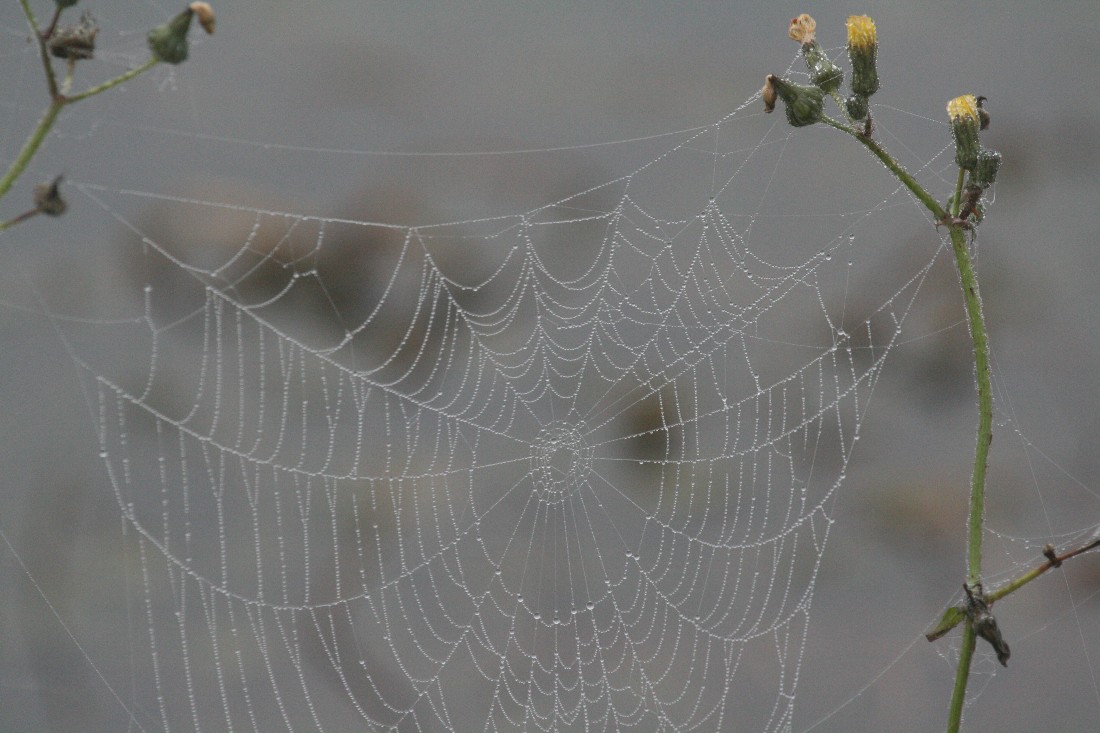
(563, 470)
(569, 467)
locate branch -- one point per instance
(955, 615)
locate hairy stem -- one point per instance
(962, 674)
(902, 175)
(969, 281)
(973, 299)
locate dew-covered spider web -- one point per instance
(568, 469)
(570, 462)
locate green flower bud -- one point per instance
(985, 168)
(62, 4)
(804, 104)
(856, 106)
(963, 112)
(823, 72)
(168, 42)
(863, 52)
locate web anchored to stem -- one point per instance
(978, 166)
(569, 465)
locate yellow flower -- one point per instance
(802, 29)
(861, 32)
(863, 52)
(964, 108)
(963, 112)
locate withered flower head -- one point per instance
(205, 15)
(769, 94)
(802, 28)
(76, 42)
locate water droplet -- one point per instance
(590, 605)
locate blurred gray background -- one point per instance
(326, 83)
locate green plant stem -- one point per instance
(971, 295)
(30, 147)
(962, 674)
(120, 79)
(57, 103)
(51, 78)
(902, 175)
(978, 335)
(1053, 561)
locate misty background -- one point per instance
(327, 109)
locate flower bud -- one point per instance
(985, 168)
(804, 104)
(857, 106)
(823, 72)
(62, 4)
(168, 42)
(963, 112)
(863, 52)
